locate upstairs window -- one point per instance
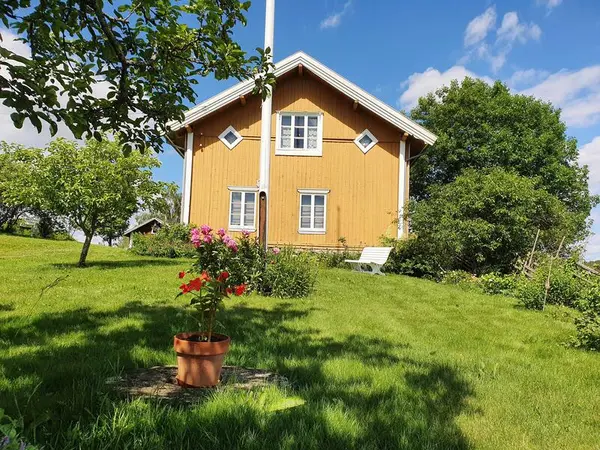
(313, 211)
(299, 134)
(242, 209)
(230, 137)
(365, 141)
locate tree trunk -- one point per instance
(85, 249)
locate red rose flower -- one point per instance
(181, 274)
(239, 290)
(196, 284)
(223, 276)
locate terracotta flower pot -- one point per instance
(199, 363)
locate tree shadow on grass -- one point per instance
(359, 391)
(120, 264)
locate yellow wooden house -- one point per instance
(336, 163)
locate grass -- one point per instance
(373, 362)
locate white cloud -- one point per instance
(576, 92)
(480, 26)
(421, 83)
(549, 4)
(512, 30)
(334, 20)
(526, 77)
(590, 154)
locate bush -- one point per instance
(408, 257)
(566, 287)
(484, 221)
(498, 284)
(457, 277)
(331, 259)
(171, 241)
(588, 330)
(290, 274)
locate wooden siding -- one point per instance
(363, 199)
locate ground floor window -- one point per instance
(313, 211)
(242, 209)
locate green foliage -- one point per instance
(95, 187)
(145, 55)
(484, 221)
(166, 206)
(588, 329)
(481, 127)
(290, 274)
(409, 257)
(498, 284)
(337, 258)
(171, 241)
(10, 434)
(15, 185)
(458, 277)
(568, 287)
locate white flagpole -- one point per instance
(265, 132)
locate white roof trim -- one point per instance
(335, 80)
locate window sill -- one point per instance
(284, 152)
(238, 229)
(311, 231)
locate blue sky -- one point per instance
(400, 50)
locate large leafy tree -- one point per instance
(95, 186)
(96, 66)
(166, 206)
(483, 126)
(486, 220)
(16, 163)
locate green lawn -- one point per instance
(389, 362)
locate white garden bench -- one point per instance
(374, 257)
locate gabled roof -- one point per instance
(335, 80)
(140, 225)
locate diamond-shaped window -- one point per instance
(230, 137)
(365, 141)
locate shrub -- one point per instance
(566, 288)
(498, 284)
(457, 277)
(290, 274)
(171, 241)
(409, 257)
(331, 259)
(484, 221)
(244, 259)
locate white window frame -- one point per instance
(243, 191)
(295, 151)
(312, 193)
(374, 141)
(232, 145)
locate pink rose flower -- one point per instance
(232, 245)
(221, 232)
(276, 250)
(205, 229)
(208, 238)
(195, 237)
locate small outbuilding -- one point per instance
(150, 226)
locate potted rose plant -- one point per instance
(200, 354)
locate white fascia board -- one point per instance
(335, 80)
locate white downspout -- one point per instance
(266, 112)
(187, 178)
(401, 186)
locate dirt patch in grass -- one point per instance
(159, 382)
